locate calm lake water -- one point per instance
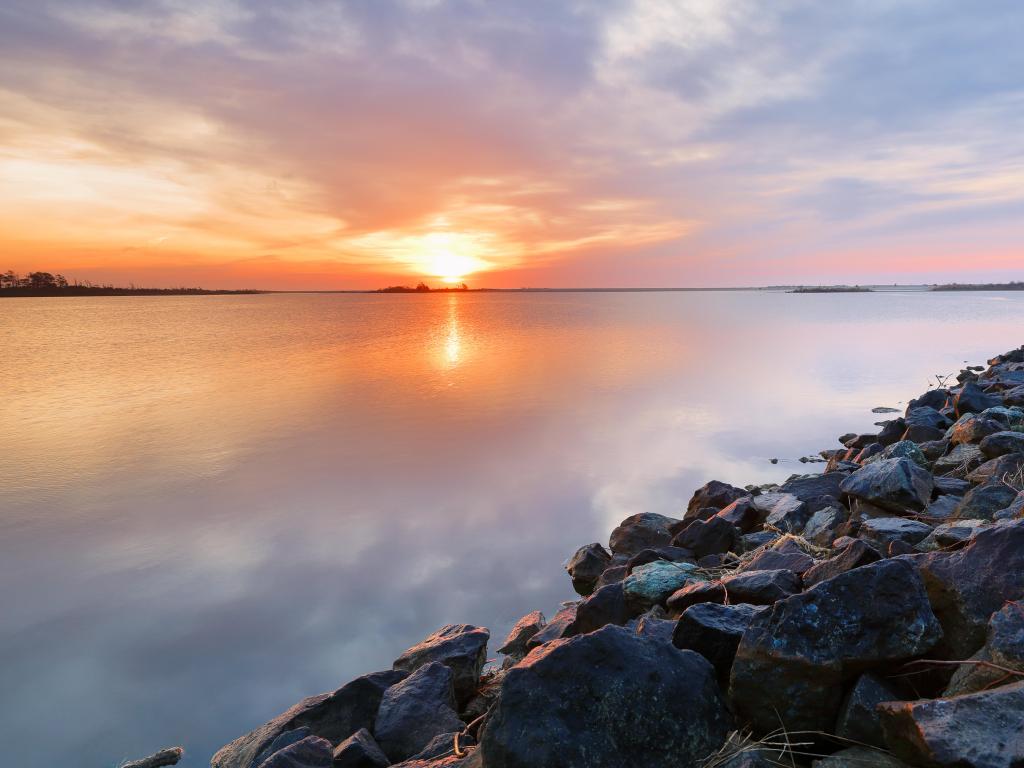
(212, 507)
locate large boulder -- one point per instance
(984, 501)
(714, 631)
(416, 710)
(963, 458)
(1007, 467)
(979, 729)
(562, 624)
(781, 554)
(653, 583)
(789, 514)
(973, 428)
(461, 647)
(794, 658)
(925, 423)
(646, 530)
(967, 586)
(951, 535)
(898, 485)
(310, 752)
(331, 716)
(604, 700)
(708, 537)
(716, 495)
(815, 490)
(586, 566)
(973, 399)
(824, 526)
(521, 634)
(1001, 443)
(761, 587)
(743, 514)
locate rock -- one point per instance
(979, 729)
(959, 461)
(443, 746)
(612, 575)
(892, 431)
(742, 514)
(716, 495)
(752, 541)
(1005, 467)
(788, 515)
(164, 757)
(643, 531)
(310, 752)
(933, 398)
(1001, 443)
(973, 428)
(606, 606)
(898, 485)
(858, 719)
(793, 659)
(951, 486)
(671, 554)
(904, 449)
(943, 507)
(761, 587)
(782, 555)
(1004, 648)
(562, 624)
(524, 629)
(983, 501)
(1014, 396)
(951, 534)
(858, 757)
(283, 740)
(859, 441)
(331, 716)
(824, 525)
(853, 555)
(606, 700)
(1013, 512)
(972, 399)
(461, 647)
(925, 423)
(714, 631)
(708, 537)
(694, 593)
(586, 566)
(416, 710)
(812, 489)
(659, 629)
(869, 452)
(882, 531)
(360, 751)
(933, 449)
(653, 583)
(967, 586)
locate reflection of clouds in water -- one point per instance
(380, 503)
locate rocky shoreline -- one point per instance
(868, 615)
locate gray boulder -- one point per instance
(973, 399)
(310, 752)
(416, 710)
(961, 460)
(586, 566)
(643, 531)
(823, 527)
(461, 647)
(1001, 443)
(523, 631)
(1003, 649)
(653, 583)
(331, 716)
(604, 700)
(858, 719)
(562, 624)
(951, 534)
(882, 531)
(793, 659)
(978, 729)
(898, 485)
(984, 501)
(716, 495)
(789, 514)
(714, 631)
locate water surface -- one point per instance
(213, 506)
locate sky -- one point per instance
(644, 143)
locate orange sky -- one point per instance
(657, 143)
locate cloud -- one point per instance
(689, 138)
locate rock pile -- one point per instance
(873, 614)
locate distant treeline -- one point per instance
(1016, 285)
(421, 288)
(49, 284)
(831, 289)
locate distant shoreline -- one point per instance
(82, 290)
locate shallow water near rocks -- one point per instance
(214, 506)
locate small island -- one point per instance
(423, 288)
(49, 284)
(831, 289)
(1016, 285)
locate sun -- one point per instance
(450, 261)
